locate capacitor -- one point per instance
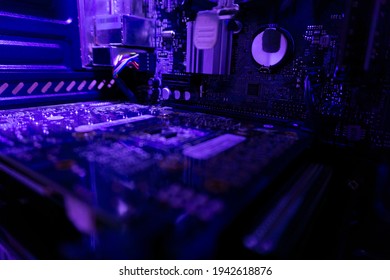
(166, 93)
(176, 94)
(187, 95)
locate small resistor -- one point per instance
(168, 34)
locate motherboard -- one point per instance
(194, 129)
(129, 164)
(312, 74)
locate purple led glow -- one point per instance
(250, 242)
(29, 44)
(39, 19)
(266, 246)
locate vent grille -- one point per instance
(28, 88)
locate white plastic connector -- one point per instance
(206, 30)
